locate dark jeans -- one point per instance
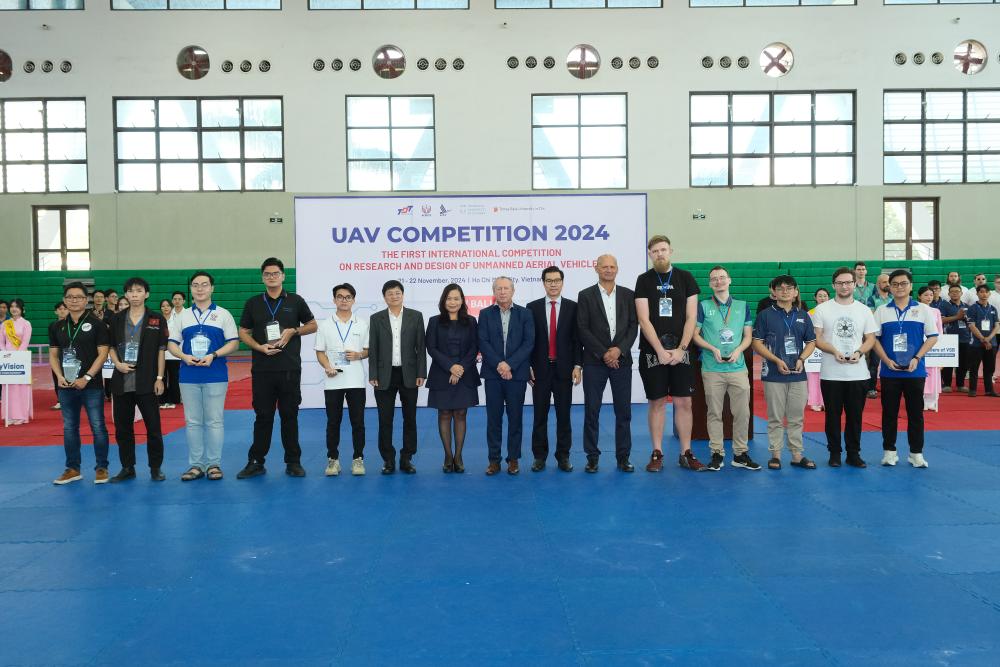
(548, 385)
(912, 391)
(873, 364)
(335, 416)
(385, 401)
(960, 372)
(172, 387)
(123, 409)
(595, 377)
(281, 388)
(501, 396)
(91, 400)
(847, 397)
(980, 355)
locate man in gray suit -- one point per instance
(608, 326)
(397, 363)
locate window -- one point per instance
(390, 143)
(769, 3)
(911, 228)
(207, 143)
(579, 141)
(43, 145)
(388, 4)
(575, 4)
(794, 138)
(940, 2)
(62, 238)
(195, 4)
(41, 4)
(941, 136)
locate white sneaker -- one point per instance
(358, 466)
(917, 460)
(890, 458)
(332, 467)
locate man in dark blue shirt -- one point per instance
(953, 320)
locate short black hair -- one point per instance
(272, 261)
(211, 280)
(784, 279)
(345, 286)
(860, 263)
(133, 281)
(110, 291)
(900, 272)
(821, 289)
(925, 288)
(76, 284)
(546, 270)
(4, 301)
(980, 288)
(391, 284)
(176, 292)
(718, 267)
(59, 304)
(933, 283)
(99, 291)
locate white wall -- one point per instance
(483, 113)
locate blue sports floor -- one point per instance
(884, 566)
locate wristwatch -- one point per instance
(88, 377)
(684, 348)
(159, 377)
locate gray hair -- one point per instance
(499, 278)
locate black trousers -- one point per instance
(335, 416)
(980, 355)
(123, 409)
(595, 378)
(281, 389)
(546, 386)
(873, 363)
(385, 401)
(961, 371)
(847, 397)
(912, 391)
(172, 389)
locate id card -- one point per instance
(199, 346)
(70, 365)
(961, 324)
(899, 342)
(666, 307)
(791, 346)
(340, 359)
(131, 356)
(984, 327)
(273, 331)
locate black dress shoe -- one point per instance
(834, 461)
(388, 468)
(252, 469)
(565, 465)
(407, 467)
(156, 475)
(295, 470)
(856, 461)
(591, 465)
(538, 465)
(626, 466)
(125, 474)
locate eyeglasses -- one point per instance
(902, 284)
(343, 297)
(74, 297)
(200, 285)
(552, 281)
(842, 283)
(271, 274)
(784, 288)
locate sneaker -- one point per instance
(688, 460)
(358, 466)
(890, 458)
(101, 476)
(917, 460)
(716, 463)
(946, 390)
(252, 469)
(295, 470)
(872, 394)
(744, 461)
(964, 390)
(70, 475)
(332, 467)
(655, 461)
(592, 466)
(971, 393)
(57, 406)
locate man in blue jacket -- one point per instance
(506, 339)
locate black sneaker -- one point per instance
(716, 463)
(407, 467)
(744, 461)
(626, 466)
(125, 474)
(591, 466)
(538, 465)
(388, 468)
(295, 470)
(252, 469)
(565, 465)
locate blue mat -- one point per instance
(829, 567)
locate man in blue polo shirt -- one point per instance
(907, 330)
(954, 322)
(982, 322)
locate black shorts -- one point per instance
(660, 381)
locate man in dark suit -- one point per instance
(607, 326)
(506, 338)
(397, 363)
(555, 368)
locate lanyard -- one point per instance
(276, 307)
(664, 286)
(729, 309)
(201, 321)
(788, 319)
(131, 330)
(901, 314)
(343, 336)
(69, 328)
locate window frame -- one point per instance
(224, 8)
(45, 162)
(743, 5)
(935, 3)
(909, 240)
(63, 249)
(362, 8)
(200, 130)
(29, 8)
(518, 9)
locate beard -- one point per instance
(661, 265)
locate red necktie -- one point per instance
(552, 331)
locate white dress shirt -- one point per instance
(396, 324)
(609, 307)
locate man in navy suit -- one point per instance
(506, 338)
(555, 368)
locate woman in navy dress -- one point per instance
(453, 379)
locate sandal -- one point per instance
(804, 463)
(192, 474)
(214, 473)
(774, 464)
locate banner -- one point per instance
(428, 242)
(815, 361)
(944, 353)
(15, 367)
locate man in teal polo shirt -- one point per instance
(723, 332)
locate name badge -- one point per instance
(340, 359)
(899, 342)
(961, 324)
(791, 346)
(70, 365)
(273, 331)
(666, 307)
(131, 356)
(199, 346)
(984, 327)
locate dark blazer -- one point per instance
(152, 339)
(594, 330)
(520, 341)
(569, 352)
(413, 352)
(444, 356)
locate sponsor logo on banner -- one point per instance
(443, 211)
(15, 367)
(944, 353)
(426, 210)
(406, 210)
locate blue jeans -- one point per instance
(92, 400)
(501, 396)
(204, 407)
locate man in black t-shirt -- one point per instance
(666, 302)
(271, 326)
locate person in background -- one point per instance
(982, 322)
(122, 306)
(935, 286)
(932, 386)
(171, 395)
(112, 299)
(61, 312)
(863, 289)
(815, 396)
(971, 295)
(995, 294)
(880, 297)
(15, 334)
(968, 295)
(111, 309)
(4, 316)
(954, 321)
(100, 309)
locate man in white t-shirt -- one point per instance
(845, 331)
(341, 344)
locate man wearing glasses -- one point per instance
(906, 332)
(271, 326)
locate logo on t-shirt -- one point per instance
(86, 326)
(844, 327)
